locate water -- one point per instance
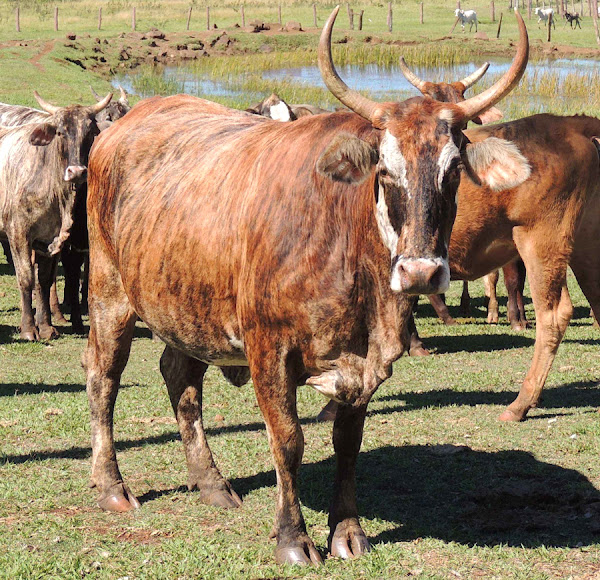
(379, 81)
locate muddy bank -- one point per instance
(107, 56)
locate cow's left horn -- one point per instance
(101, 104)
(352, 99)
(478, 104)
(470, 80)
(410, 76)
(123, 97)
(48, 107)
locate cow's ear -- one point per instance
(496, 163)
(42, 134)
(348, 159)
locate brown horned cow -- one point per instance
(40, 165)
(292, 248)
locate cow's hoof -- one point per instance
(303, 553)
(509, 416)
(328, 412)
(59, 318)
(31, 335)
(224, 497)
(418, 351)
(78, 328)
(119, 501)
(449, 321)
(492, 319)
(48, 333)
(520, 326)
(348, 540)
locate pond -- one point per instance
(557, 85)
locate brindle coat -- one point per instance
(40, 163)
(290, 247)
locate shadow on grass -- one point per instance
(569, 395)
(473, 497)
(477, 342)
(12, 389)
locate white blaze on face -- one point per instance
(449, 153)
(280, 112)
(388, 234)
(393, 160)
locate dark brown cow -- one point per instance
(292, 248)
(40, 165)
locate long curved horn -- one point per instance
(48, 107)
(479, 103)
(352, 99)
(96, 95)
(101, 104)
(470, 80)
(123, 98)
(410, 76)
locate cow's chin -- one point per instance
(416, 276)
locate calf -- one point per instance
(292, 248)
(466, 17)
(570, 18)
(40, 165)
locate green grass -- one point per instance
(522, 502)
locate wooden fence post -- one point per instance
(595, 19)
(529, 9)
(56, 18)
(390, 18)
(133, 23)
(550, 27)
(351, 19)
(243, 16)
(18, 19)
(315, 15)
(187, 25)
(458, 4)
(349, 12)
(499, 25)
(360, 17)
(207, 18)
(454, 26)
(421, 10)
(279, 14)
(493, 10)
(100, 18)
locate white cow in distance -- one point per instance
(466, 16)
(543, 14)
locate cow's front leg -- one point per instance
(45, 272)
(438, 301)
(346, 539)
(275, 385)
(24, 269)
(183, 376)
(465, 300)
(72, 262)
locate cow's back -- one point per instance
(223, 213)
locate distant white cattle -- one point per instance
(543, 14)
(466, 16)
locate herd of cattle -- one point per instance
(291, 252)
(545, 16)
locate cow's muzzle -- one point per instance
(420, 275)
(75, 173)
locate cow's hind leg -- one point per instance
(346, 539)
(514, 280)
(72, 262)
(465, 300)
(45, 274)
(112, 321)
(547, 271)
(276, 375)
(490, 282)
(183, 376)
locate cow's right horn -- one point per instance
(101, 104)
(478, 104)
(352, 99)
(48, 107)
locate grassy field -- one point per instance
(499, 501)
